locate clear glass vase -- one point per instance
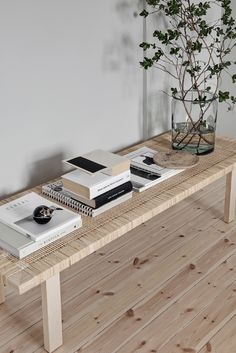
(194, 121)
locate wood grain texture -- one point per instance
(95, 233)
(2, 291)
(230, 196)
(146, 291)
(223, 341)
(44, 266)
(51, 307)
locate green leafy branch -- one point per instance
(193, 50)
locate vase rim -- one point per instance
(210, 97)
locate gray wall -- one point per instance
(227, 120)
(69, 82)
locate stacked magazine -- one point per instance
(21, 235)
(144, 172)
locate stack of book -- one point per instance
(100, 181)
(21, 235)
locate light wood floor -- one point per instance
(168, 286)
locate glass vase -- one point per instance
(194, 121)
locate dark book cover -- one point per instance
(112, 194)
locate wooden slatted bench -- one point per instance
(44, 266)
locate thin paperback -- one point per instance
(144, 172)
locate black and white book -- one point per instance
(100, 161)
(66, 197)
(144, 172)
(99, 200)
(18, 215)
(91, 186)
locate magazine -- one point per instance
(144, 172)
(61, 194)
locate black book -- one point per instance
(111, 195)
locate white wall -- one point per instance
(69, 82)
(227, 120)
(157, 109)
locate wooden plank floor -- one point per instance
(168, 286)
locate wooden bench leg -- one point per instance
(2, 291)
(230, 196)
(51, 306)
(2, 294)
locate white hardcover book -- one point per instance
(20, 246)
(18, 214)
(90, 186)
(144, 172)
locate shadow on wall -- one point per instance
(40, 172)
(158, 113)
(158, 109)
(121, 51)
(45, 169)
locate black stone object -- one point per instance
(43, 214)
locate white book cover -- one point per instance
(18, 214)
(99, 183)
(144, 172)
(100, 161)
(20, 246)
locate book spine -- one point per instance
(11, 250)
(101, 187)
(113, 194)
(58, 232)
(40, 244)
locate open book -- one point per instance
(144, 172)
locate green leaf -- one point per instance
(146, 63)
(233, 99)
(158, 54)
(234, 78)
(174, 51)
(144, 13)
(153, 2)
(174, 91)
(144, 45)
(223, 96)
